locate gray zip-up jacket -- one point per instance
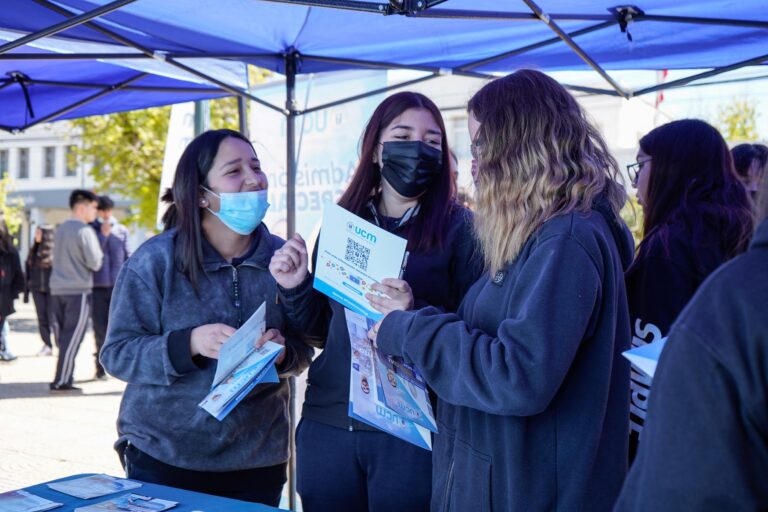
(154, 308)
(77, 255)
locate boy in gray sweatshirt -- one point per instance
(77, 254)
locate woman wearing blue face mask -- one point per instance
(403, 183)
(176, 301)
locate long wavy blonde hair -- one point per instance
(539, 157)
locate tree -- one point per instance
(125, 152)
(737, 121)
(632, 213)
(11, 208)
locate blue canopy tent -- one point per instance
(465, 37)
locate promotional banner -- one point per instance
(326, 143)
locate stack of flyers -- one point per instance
(405, 390)
(93, 486)
(367, 399)
(22, 501)
(129, 503)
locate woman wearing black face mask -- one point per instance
(402, 183)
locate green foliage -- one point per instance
(737, 121)
(12, 209)
(632, 213)
(125, 151)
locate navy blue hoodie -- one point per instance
(705, 443)
(532, 388)
(440, 278)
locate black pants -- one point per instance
(100, 315)
(42, 302)
(258, 485)
(70, 318)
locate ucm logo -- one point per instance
(361, 232)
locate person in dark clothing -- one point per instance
(403, 184)
(11, 284)
(531, 385)
(705, 441)
(177, 300)
(696, 216)
(38, 269)
(113, 238)
(751, 162)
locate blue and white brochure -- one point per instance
(646, 357)
(242, 366)
(366, 395)
(405, 390)
(352, 255)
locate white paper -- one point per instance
(129, 503)
(93, 486)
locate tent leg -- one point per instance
(290, 164)
(242, 116)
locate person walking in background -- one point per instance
(696, 216)
(705, 441)
(113, 238)
(39, 265)
(77, 255)
(531, 384)
(11, 285)
(751, 162)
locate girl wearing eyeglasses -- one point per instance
(696, 216)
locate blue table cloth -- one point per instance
(189, 501)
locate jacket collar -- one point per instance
(760, 238)
(259, 254)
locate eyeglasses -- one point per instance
(475, 147)
(633, 170)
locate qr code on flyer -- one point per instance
(357, 255)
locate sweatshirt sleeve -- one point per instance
(136, 349)
(92, 253)
(17, 286)
(517, 370)
(700, 443)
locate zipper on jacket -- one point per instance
(448, 485)
(236, 286)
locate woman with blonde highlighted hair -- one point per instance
(532, 388)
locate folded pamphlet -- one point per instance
(23, 501)
(129, 503)
(646, 357)
(93, 486)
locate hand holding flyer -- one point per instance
(352, 256)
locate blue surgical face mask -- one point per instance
(241, 212)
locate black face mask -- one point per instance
(410, 166)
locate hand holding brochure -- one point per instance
(23, 501)
(241, 366)
(352, 255)
(129, 503)
(93, 486)
(367, 398)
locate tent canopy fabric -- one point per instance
(184, 38)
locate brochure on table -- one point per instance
(93, 486)
(646, 357)
(352, 255)
(367, 398)
(129, 503)
(23, 501)
(241, 366)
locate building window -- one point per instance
(23, 163)
(3, 163)
(49, 171)
(70, 161)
